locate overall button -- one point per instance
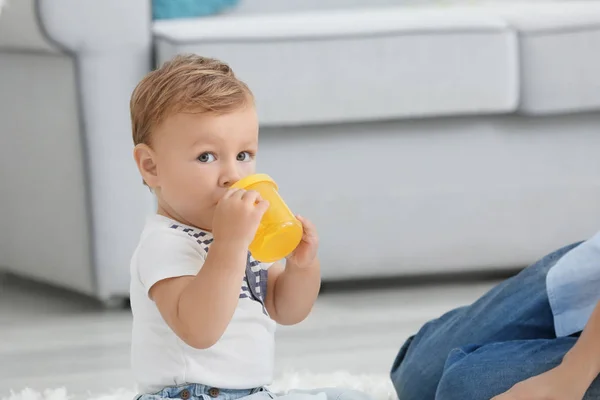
(185, 394)
(213, 392)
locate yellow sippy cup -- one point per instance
(279, 232)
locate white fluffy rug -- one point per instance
(378, 386)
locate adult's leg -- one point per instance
(516, 309)
(482, 373)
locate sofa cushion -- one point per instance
(353, 65)
(559, 52)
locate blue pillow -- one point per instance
(168, 9)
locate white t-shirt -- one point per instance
(243, 357)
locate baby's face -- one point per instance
(199, 156)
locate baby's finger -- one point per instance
(238, 194)
(309, 228)
(229, 193)
(262, 206)
(251, 196)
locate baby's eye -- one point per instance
(206, 157)
(244, 156)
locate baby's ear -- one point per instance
(145, 160)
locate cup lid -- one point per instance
(253, 179)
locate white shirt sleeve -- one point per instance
(167, 253)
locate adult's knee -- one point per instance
(420, 362)
(417, 370)
(412, 382)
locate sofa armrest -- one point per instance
(111, 42)
(20, 28)
(74, 26)
(97, 25)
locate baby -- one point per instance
(204, 311)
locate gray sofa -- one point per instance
(432, 137)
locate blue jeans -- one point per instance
(194, 391)
(479, 351)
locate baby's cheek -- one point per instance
(249, 168)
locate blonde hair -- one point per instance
(187, 83)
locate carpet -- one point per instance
(377, 385)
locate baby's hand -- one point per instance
(237, 216)
(306, 252)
